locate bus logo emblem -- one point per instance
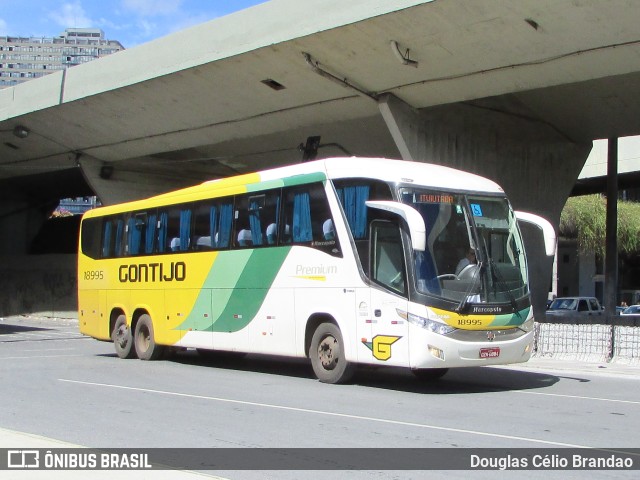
(380, 346)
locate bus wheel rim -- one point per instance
(328, 352)
(121, 336)
(144, 338)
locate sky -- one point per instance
(131, 22)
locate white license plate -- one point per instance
(493, 352)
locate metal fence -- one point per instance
(588, 342)
(626, 344)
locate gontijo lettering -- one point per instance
(152, 272)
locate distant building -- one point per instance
(25, 58)
(75, 206)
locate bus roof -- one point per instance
(402, 171)
(394, 171)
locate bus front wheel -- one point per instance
(122, 338)
(145, 344)
(327, 355)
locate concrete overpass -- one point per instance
(593, 177)
(515, 91)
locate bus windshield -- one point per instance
(474, 251)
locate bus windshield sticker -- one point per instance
(476, 209)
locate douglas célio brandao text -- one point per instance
(556, 461)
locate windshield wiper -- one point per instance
(503, 285)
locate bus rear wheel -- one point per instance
(327, 355)
(145, 344)
(122, 338)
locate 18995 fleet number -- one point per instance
(469, 322)
(93, 275)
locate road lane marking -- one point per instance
(329, 414)
(579, 397)
(21, 339)
(48, 334)
(40, 356)
(47, 350)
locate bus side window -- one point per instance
(307, 219)
(297, 215)
(179, 228)
(92, 240)
(185, 228)
(387, 259)
(352, 194)
(256, 219)
(242, 234)
(108, 238)
(119, 243)
(163, 222)
(150, 234)
(136, 233)
(203, 240)
(269, 217)
(221, 218)
(172, 237)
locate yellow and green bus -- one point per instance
(344, 261)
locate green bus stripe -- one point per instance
(306, 178)
(513, 319)
(286, 182)
(266, 185)
(239, 282)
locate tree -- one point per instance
(584, 218)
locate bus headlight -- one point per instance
(528, 325)
(435, 327)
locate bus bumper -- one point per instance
(469, 348)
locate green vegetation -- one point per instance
(584, 218)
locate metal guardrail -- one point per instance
(600, 339)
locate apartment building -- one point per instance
(25, 58)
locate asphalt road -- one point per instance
(61, 385)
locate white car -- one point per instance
(632, 310)
(574, 306)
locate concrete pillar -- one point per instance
(20, 221)
(499, 139)
(405, 126)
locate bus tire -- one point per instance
(327, 355)
(122, 338)
(145, 344)
(429, 374)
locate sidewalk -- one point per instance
(570, 365)
(18, 440)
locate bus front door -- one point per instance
(388, 303)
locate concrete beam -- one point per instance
(120, 182)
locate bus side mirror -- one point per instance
(413, 218)
(548, 233)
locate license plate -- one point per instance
(493, 352)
